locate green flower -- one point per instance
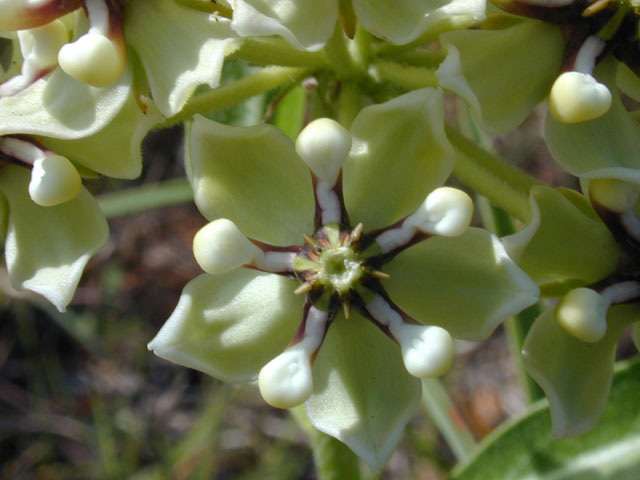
(316, 323)
(308, 25)
(178, 47)
(587, 256)
(552, 56)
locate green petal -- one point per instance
(252, 176)
(575, 375)
(502, 74)
(48, 247)
(306, 25)
(467, 284)
(230, 326)
(363, 395)
(179, 49)
(565, 242)
(124, 135)
(59, 106)
(400, 153)
(403, 22)
(606, 147)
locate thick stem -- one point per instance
(231, 94)
(405, 76)
(504, 185)
(274, 51)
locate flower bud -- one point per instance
(446, 211)
(286, 381)
(427, 351)
(323, 145)
(578, 97)
(93, 59)
(617, 195)
(220, 247)
(54, 180)
(582, 313)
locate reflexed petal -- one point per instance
(403, 22)
(565, 242)
(123, 135)
(466, 285)
(400, 153)
(47, 247)
(62, 107)
(575, 375)
(606, 147)
(229, 326)
(363, 394)
(252, 176)
(306, 25)
(502, 74)
(179, 49)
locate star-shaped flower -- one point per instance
(378, 265)
(554, 56)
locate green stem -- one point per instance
(231, 94)
(447, 418)
(350, 104)
(274, 51)
(405, 76)
(333, 459)
(338, 54)
(145, 197)
(503, 184)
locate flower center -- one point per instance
(332, 267)
(340, 269)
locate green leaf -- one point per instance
(524, 449)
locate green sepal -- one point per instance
(606, 147)
(229, 326)
(565, 245)
(47, 248)
(123, 135)
(575, 375)
(495, 73)
(363, 395)
(306, 25)
(253, 176)
(59, 106)
(466, 285)
(180, 48)
(400, 153)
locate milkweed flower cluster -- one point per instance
(316, 322)
(339, 268)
